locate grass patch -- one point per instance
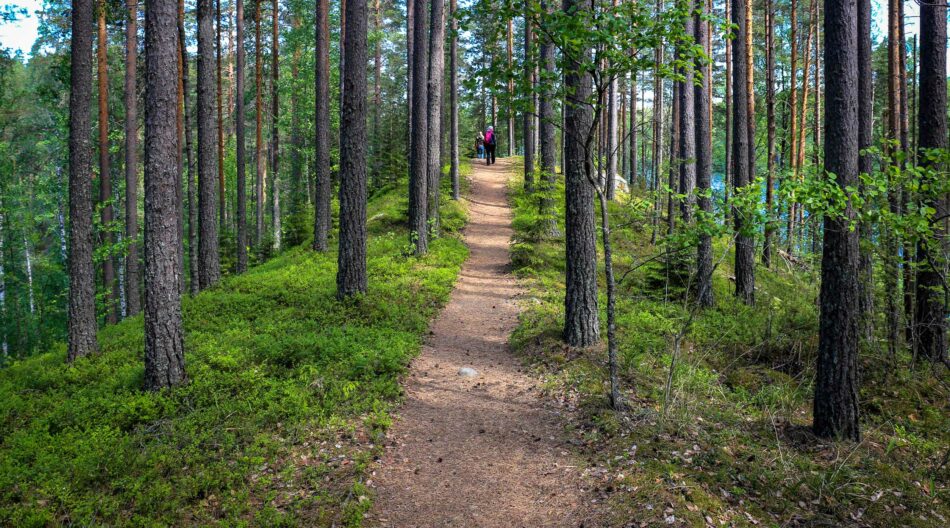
(289, 394)
(731, 444)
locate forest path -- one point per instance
(479, 451)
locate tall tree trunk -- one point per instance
(865, 96)
(511, 87)
(322, 215)
(792, 132)
(376, 150)
(528, 118)
(164, 337)
(411, 10)
(687, 129)
(728, 176)
(105, 172)
(632, 174)
(134, 305)
(436, 75)
(239, 116)
(770, 126)
(581, 319)
(4, 345)
(702, 101)
(673, 182)
(351, 274)
(741, 150)
(892, 268)
(419, 131)
(612, 144)
(548, 134)
(259, 126)
(931, 318)
(657, 156)
(750, 88)
(453, 101)
(275, 134)
(222, 204)
(184, 137)
(209, 267)
(836, 387)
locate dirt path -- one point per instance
(483, 450)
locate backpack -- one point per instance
(490, 137)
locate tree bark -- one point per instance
(419, 131)
(702, 101)
(687, 129)
(793, 126)
(82, 291)
(222, 204)
(581, 320)
(209, 266)
(322, 215)
(527, 127)
(164, 337)
(184, 137)
(657, 128)
(770, 126)
(351, 274)
(453, 101)
(741, 149)
(275, 130)
(836, 388)
(434, 103)
(511, 88)
(865, 137)
(548, 134)
(133, 301)
(240, 152)
(105, 171)
(931, 331)
(259, 126)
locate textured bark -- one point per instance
(632, 165)
(836, 388)
(770, 126)
(222, 205)
(865, 137)
(687, 130)
(511, 87)
(453, 101)
(527, 127)
(184, 137)
(548, 135)
(240, 149)
(892, 269)
(750, 88)
(351, 274)
(703, 125)
(132, 294)
(434, 103)
(410, 47)
(376, 152)
(741, 149)
(105, 171)
(581, 318)
(82, 292)
(259, 160)
(322, 220)
(164, 337)
(298, 191)
(208, 263)
(275, 130)
(792, 134)
(657, 129)
(673, 169)
(418, 133)
(931, 331)
(729, 179)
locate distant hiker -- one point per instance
(490, 146)
(480, 145)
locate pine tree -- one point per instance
(208, 264)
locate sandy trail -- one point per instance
(482, 451)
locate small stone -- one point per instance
(468, 372)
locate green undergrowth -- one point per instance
(289, 392)
(724, 440)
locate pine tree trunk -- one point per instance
(453, 101)
(657, 128)
(208, 264)
(741, 149)
(673, 169)
(687, 130)
(836, 387)
(548, 135)
(865, 166)
(240, 149)
(4, 345)
(419, 133)
(527, 127)
(770, 125)
(322, 215)
(105, 171)
(133, 302)
(259, 127)
(184, 138)
(434, 103)
(298, 194)
(728, 176)
(632, 168)
(793, 129)
(931, 319)
(702, 102)
(164, 337)
(222, 204)
(581, 320)
(511, 88)
(275, 130)
(351, 274)
(377, 95)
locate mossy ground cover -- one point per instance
(724, 440)
(289, 391)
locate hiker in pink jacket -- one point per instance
(490, 146)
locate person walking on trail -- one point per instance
(490, 146)
(480, 145)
